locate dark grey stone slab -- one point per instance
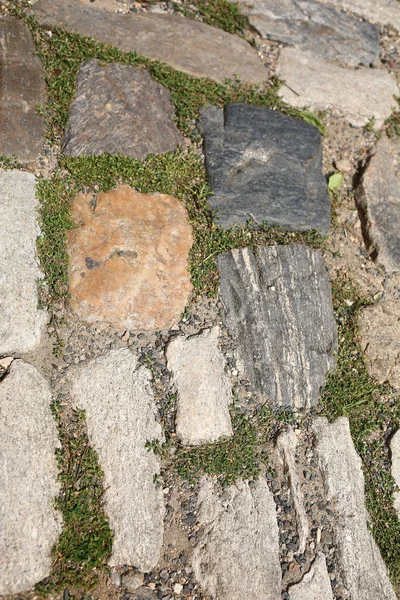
(378, 203)
(22, 89)
(120, 109)
(279, 311)
(316, 28)
(264, 166)
(184, 44)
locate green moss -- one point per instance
(86, 539)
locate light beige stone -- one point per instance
(116, 394)
(316, 84)
(395, 450)
(129, 259)
(184, 44)
(204, 390)
(315, 584)
(380, 340)
(237, 555)
(30, 525)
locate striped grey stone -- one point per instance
(395, 450)
(22, 90)
(278, 308)
(184, 44)
(360, 562)
(115, 391)
(287, 446)
(204, 389)
(378, 202)
(120, 109)
(314, 27)
(384, 12)
(315, 585)
(317, 84)
(21, 323)
(30, 525)
(237, 554)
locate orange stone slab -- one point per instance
(129, 259)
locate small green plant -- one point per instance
(392, 124)
(85, 541)
(9, 162)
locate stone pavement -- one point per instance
(161, 373)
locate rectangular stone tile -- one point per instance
(22, 89)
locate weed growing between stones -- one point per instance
(85, 542)
(373, 414)
(9, 162)
(218, 13)
(393, 123)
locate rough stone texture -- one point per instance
(279, 310)
(287, 446)
(186, 45)
(115, 391)
(384, 12)
(316, 84)
(120, 109)
(315, 584)
(237, 555)
(204, 390)
(28, 479)
(361, 564)
(378, 203)
(395, 450)
(129, 259)
(380, 341)
(317, 28)
(21, 323)
(266, 166)
(22, 88)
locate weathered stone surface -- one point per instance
(237, 555)
(22, 89)
(317, 28)
(266, 166)
(378, 203)
(287, 446)
(129, 259)
(380, 341)
(279, 310)
(186, 45)
(115, 391)
(384, 12)
(28, 479)
(204, 390)
(395, 450)
(315, 584)
(120, 109)
(361, 564)
(356, 95)
(21, 323)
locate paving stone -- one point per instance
(129, 257)
(265, 166)
(315, 584)
(278, 308)
(395, 450)
(380, 340)
(237, 555)
(21, 323)
(317, 28)
(204, 390)
(184, 44)
(384, 12)
(120, 109)
(115, 391)
(28, 479)
(361, 564)
(287, 447)
(22, 90)
(378, 203)
(316, 84)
